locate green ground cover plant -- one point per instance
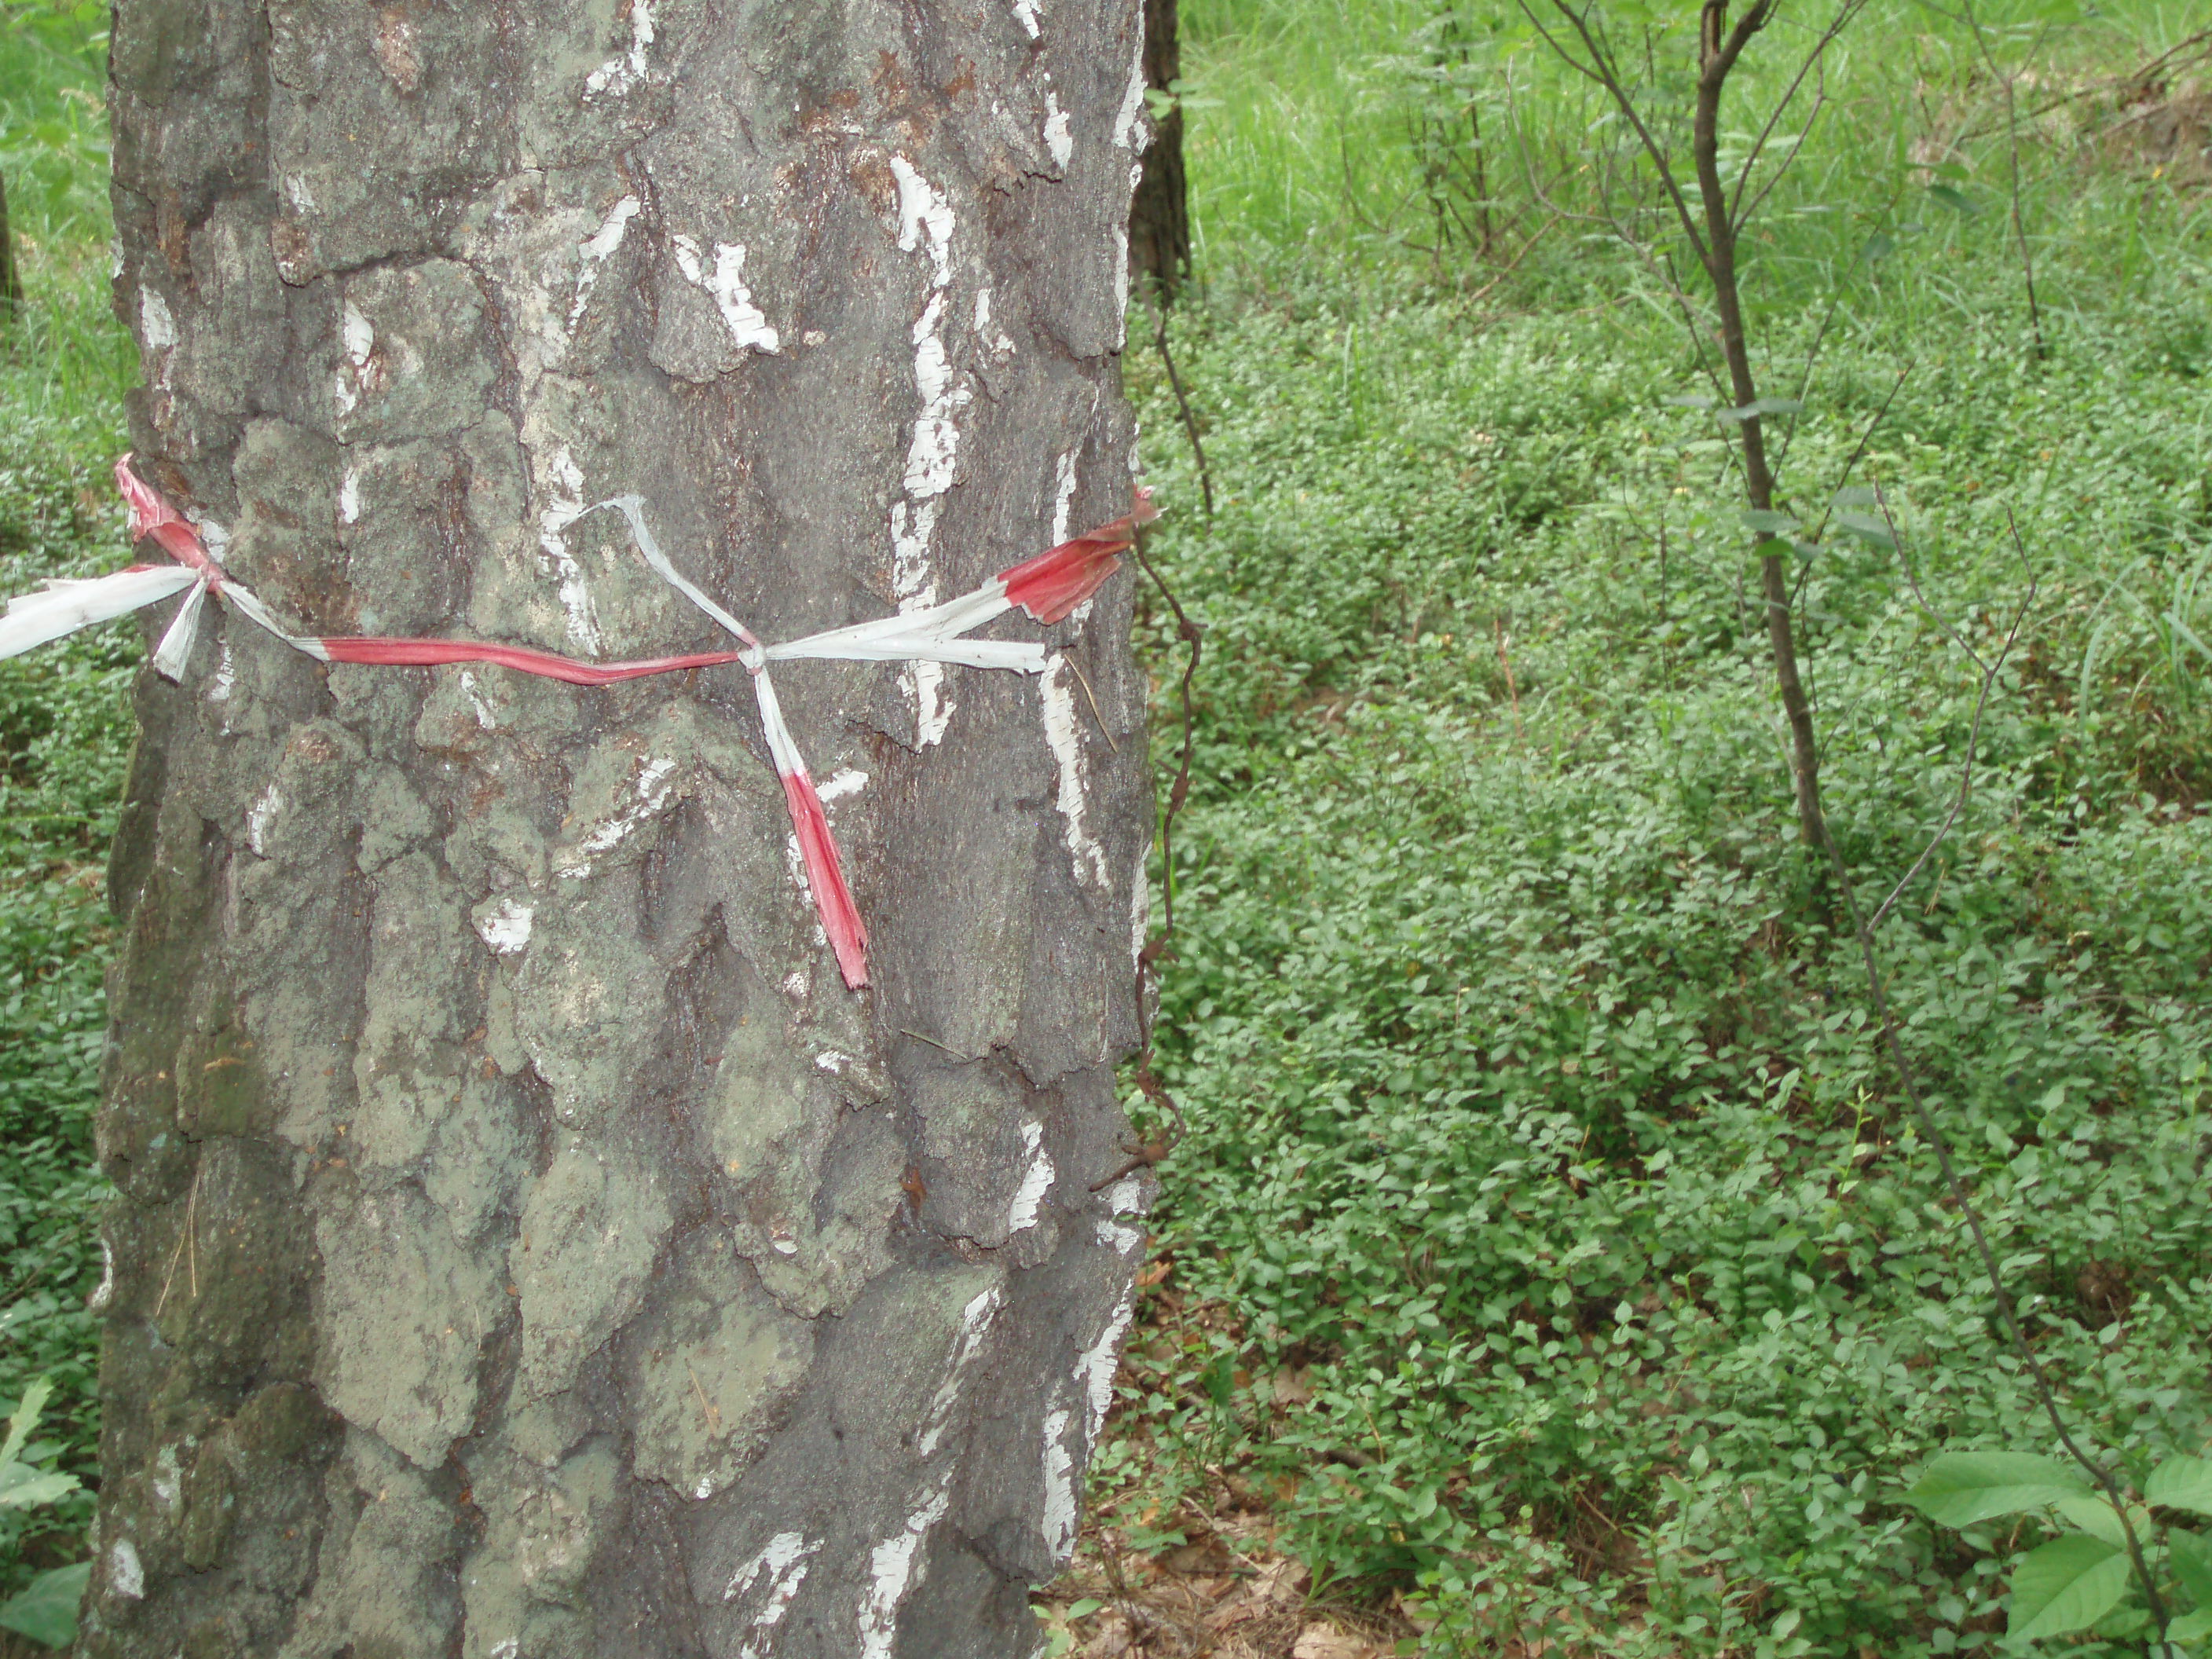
(1552, 1241)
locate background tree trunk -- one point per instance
(527, 1248)
(1159, 216)
(11, 285)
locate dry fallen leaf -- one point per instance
(1327, 1641)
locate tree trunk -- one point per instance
(11, 285)
(527, 1247)
(1159, 216)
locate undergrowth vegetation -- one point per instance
(65, 732)
(1552, 1245)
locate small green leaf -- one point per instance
(1959, 1488)
(46, 1611)
(2190, 1627)
(1868, 528)
(30, 1488)
(1688, 400)
(2181, 1483)
(1085, 1608)
(2067, 1585)
(1772, 524)
(1855, 495)
(2191, 1554)
(25, 1418)
(1878, 247)
(1953, 199)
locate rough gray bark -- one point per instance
(527, 1248)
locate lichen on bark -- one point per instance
(526, 1246)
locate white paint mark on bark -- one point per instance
(749, 326)
(1063, 734)
(845, 780)
(1058, 1524)
(1141, 909)
(619, 74)
(349, 496)
(930, 457)
(506, 930)
(1127, 1196)
(154, 322)
(830, 1060)
(167, 1478)
(929, 466)
(597, 249)
(922, 208)
(892, 1574)
(1129, 124)
(994, 338)
(1059, 137)
(1063, 498)
(105, 1293)
(1117, 1237)
(798, 983)
(975, 1325)
(1120, 277)
(1036, 1180)
(780, 1570)
(226, 674)
(486, 718)
(126, 1575)
(561, 484)
(357, 335)
(1027, 11)
(297, 192)
(1095, 1371)
(259, 817)
(653, 783)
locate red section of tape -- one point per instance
(1054, 583)
(841, 918)
(152, 515)
(429, 653)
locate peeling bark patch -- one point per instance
(1130, 124)
(891, 1573)
(1063, 734)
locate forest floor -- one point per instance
(1552, 1265)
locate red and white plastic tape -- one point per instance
(1047, 587)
